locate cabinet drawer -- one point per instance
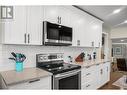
(90, 85)
(88, 77)
(43, 83)
(88, 69)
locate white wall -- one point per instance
(119, 32)
(31, 51)
(108, 46)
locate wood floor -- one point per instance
(114, 76)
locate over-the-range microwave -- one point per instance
(56, 35)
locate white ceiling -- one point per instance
(106, 14)
(118, 40)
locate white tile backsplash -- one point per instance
(31, 51)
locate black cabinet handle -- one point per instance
(25, 38)
(78, 42)
(60, 20)
(101, 71)
(28, 38)
(92, 44)
(34, 80)
(87, 74)
(88, 85)
(99, 44)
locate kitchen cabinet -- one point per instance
(95, 76)
(103, 73)
(39, 83)
(78, 22)
(87, 30)
(88, 78)
(57, 14)
(26, 26)
(34, 25)
(94, 30)
(13, 31)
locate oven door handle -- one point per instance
(67, 74)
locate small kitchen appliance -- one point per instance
(56, 35)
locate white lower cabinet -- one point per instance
(39, 83)
(93, 77)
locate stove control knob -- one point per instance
(69, 66)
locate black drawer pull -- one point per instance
(34, 80)
(87, 66)
(88, 85)
(87, 74)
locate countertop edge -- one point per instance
(23, 81)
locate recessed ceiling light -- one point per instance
(121, 40)
(125, 21)
(116, 11)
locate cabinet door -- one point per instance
(97, 27)
(107, 71)
(65, 14)
(34, 25)
(103, 74)
(100, 75)
(94, 31)
(57, 14)
(51, 14)
(78, 23)
(15, 29)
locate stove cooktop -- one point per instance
(59, 67)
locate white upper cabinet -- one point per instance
(94, 31)
(26, 26)
(34, 25)
(87, 30)
(14, 29)
(78, 23)
(57, 14)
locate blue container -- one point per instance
(19, 66)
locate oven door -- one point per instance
(68, 80)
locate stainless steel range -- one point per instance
(65, 75)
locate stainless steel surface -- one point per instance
(67, 74)
(48, 41)
(56, 78)
(45, 57)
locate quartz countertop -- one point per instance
(12, 77)
(91, 62)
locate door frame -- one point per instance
(106, 45)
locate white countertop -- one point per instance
(13, 77)
(91, 62)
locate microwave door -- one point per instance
(51, 33)
(66, 35)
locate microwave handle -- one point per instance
(58, 19)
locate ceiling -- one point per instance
(119, 40)
(112, 20)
